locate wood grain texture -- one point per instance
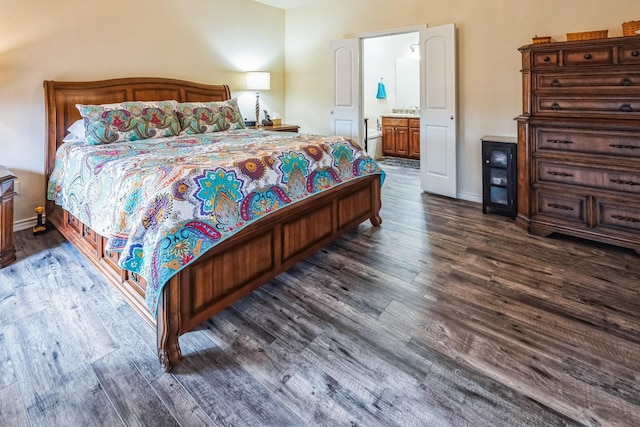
(181, 403)
(7, 375)
(56, 385)
(12, 412)
(129, 392)
(443, 316)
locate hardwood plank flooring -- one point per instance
(443, 316)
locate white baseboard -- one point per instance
(23, 224)
(471, 197)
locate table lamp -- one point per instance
(258, 80)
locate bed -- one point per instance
(233, 267)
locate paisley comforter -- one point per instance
(164, 202)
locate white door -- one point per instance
(438, 119)
(345, 88)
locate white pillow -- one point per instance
(76, 132)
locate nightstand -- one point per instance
(279, 128)
(7, 250)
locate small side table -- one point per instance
(7, 249)
(499, 175)
(279, 128)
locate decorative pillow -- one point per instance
(76, 132)
(203, 117)
(129, 121)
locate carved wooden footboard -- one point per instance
(236, 266)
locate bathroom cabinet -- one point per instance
(414, 138)
(401, 137)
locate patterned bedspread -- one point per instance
(164, 202)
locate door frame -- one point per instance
(447, 185)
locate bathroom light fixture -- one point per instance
(258, 80)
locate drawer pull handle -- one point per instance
(555, 106)
(635, 53)
(626, 82)
(625, 218)
(626, 108)
(587, 56)
(630, 147)
(564, 174)
(134, 277)
(555, 83)
(623, 182)
(559, 141)
(564, 208)
(547, 59)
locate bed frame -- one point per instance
(228, 271)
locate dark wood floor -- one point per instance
(443, 316)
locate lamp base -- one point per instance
(257, 108)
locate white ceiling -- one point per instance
(286, 4)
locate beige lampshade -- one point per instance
(258, 80)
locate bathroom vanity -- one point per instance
(401, 136)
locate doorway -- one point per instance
(438, 99)
(390, 83)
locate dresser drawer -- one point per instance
(615, 143)
(588, 56)
(585, 176)
(595, 105)
(73, 222)
(560, 205)
(629, 55)
(628, 82)
(618, 214)
(391, 121)
(545, 59)
(90, 237)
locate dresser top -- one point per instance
(497, 138)
(5, 174)
(627, 40)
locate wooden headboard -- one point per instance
(61, 99)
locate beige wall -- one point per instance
(489, 33)
(208, 41)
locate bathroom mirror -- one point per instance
(407, 82)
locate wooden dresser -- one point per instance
(401, 136)
(579, 140)
(7, 249)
